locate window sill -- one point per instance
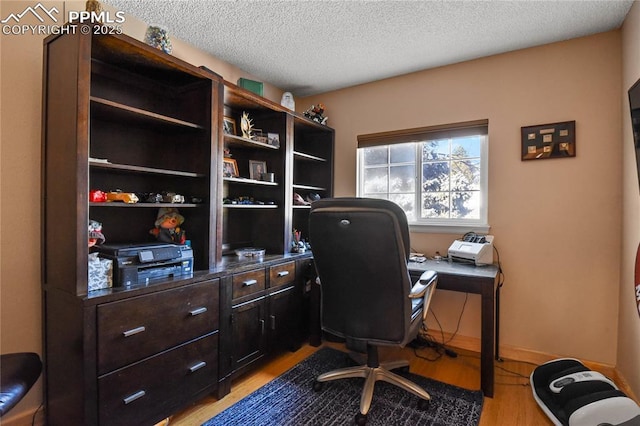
(448, 228)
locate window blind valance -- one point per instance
(444, 131)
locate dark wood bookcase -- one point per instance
(121, 115)
(302, 163)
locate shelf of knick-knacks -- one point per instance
(232, 140)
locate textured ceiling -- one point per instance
(310, 47)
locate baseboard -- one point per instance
(535, 357)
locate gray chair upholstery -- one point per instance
(361, 249)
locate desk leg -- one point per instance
(498, 324)
(487, 341)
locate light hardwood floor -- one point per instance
(512, 405)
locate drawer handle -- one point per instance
(198, 311)
(197, 366)
(134, 396)
(283, 274)
(133, 331)
(247, 283)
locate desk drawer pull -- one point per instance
(197, 366)
(283, 274)
(198, 311)
(247, 283)
(133, 331)
(134, 396)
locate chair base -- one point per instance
(372, 374)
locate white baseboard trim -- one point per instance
(535, 357)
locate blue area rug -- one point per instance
(291, 400)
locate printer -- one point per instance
(140, 263)
(477, 249)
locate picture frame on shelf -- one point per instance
(229, 126)
(257, 169)
(230, 168)
(273, 139)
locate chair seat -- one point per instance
(18, 373)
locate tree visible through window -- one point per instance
(439, 180)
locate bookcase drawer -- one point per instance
(282, 274)
(133, 329)
(248, 283)
(156, 387)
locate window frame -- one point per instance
(417, 137)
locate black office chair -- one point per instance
(18, 373)
(361, 248)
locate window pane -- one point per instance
(444, 181)
(376, 179)
(465, 175)
(435, 205)
(376, 155)
(435, 150)
(435, 176)
(402, 179)
(466, 147)
(465, 205)
(407, 202)
(403, 153)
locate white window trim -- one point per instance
(449, 226)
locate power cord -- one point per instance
(426, 340)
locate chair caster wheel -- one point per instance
(423, 404)
(317, 386)
(361, 419)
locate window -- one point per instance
(438, 175)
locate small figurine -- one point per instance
(315, 114)
(157, 37)
(95, 233)
(287, 101)
(246, 125)
(168, 226)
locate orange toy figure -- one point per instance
(168, 226)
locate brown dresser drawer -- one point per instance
(248, 283)
(133, 329)
(145, 392)
(282, 274)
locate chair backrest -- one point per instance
(361, 247)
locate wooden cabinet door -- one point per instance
(284, 319)
(248, 328)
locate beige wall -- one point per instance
(556, 222)
(629, 321)
(20, 234)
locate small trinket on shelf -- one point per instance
(316, 113)
(246, 125)
(168, 226)
(157, 37)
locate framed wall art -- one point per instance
(555, 140)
